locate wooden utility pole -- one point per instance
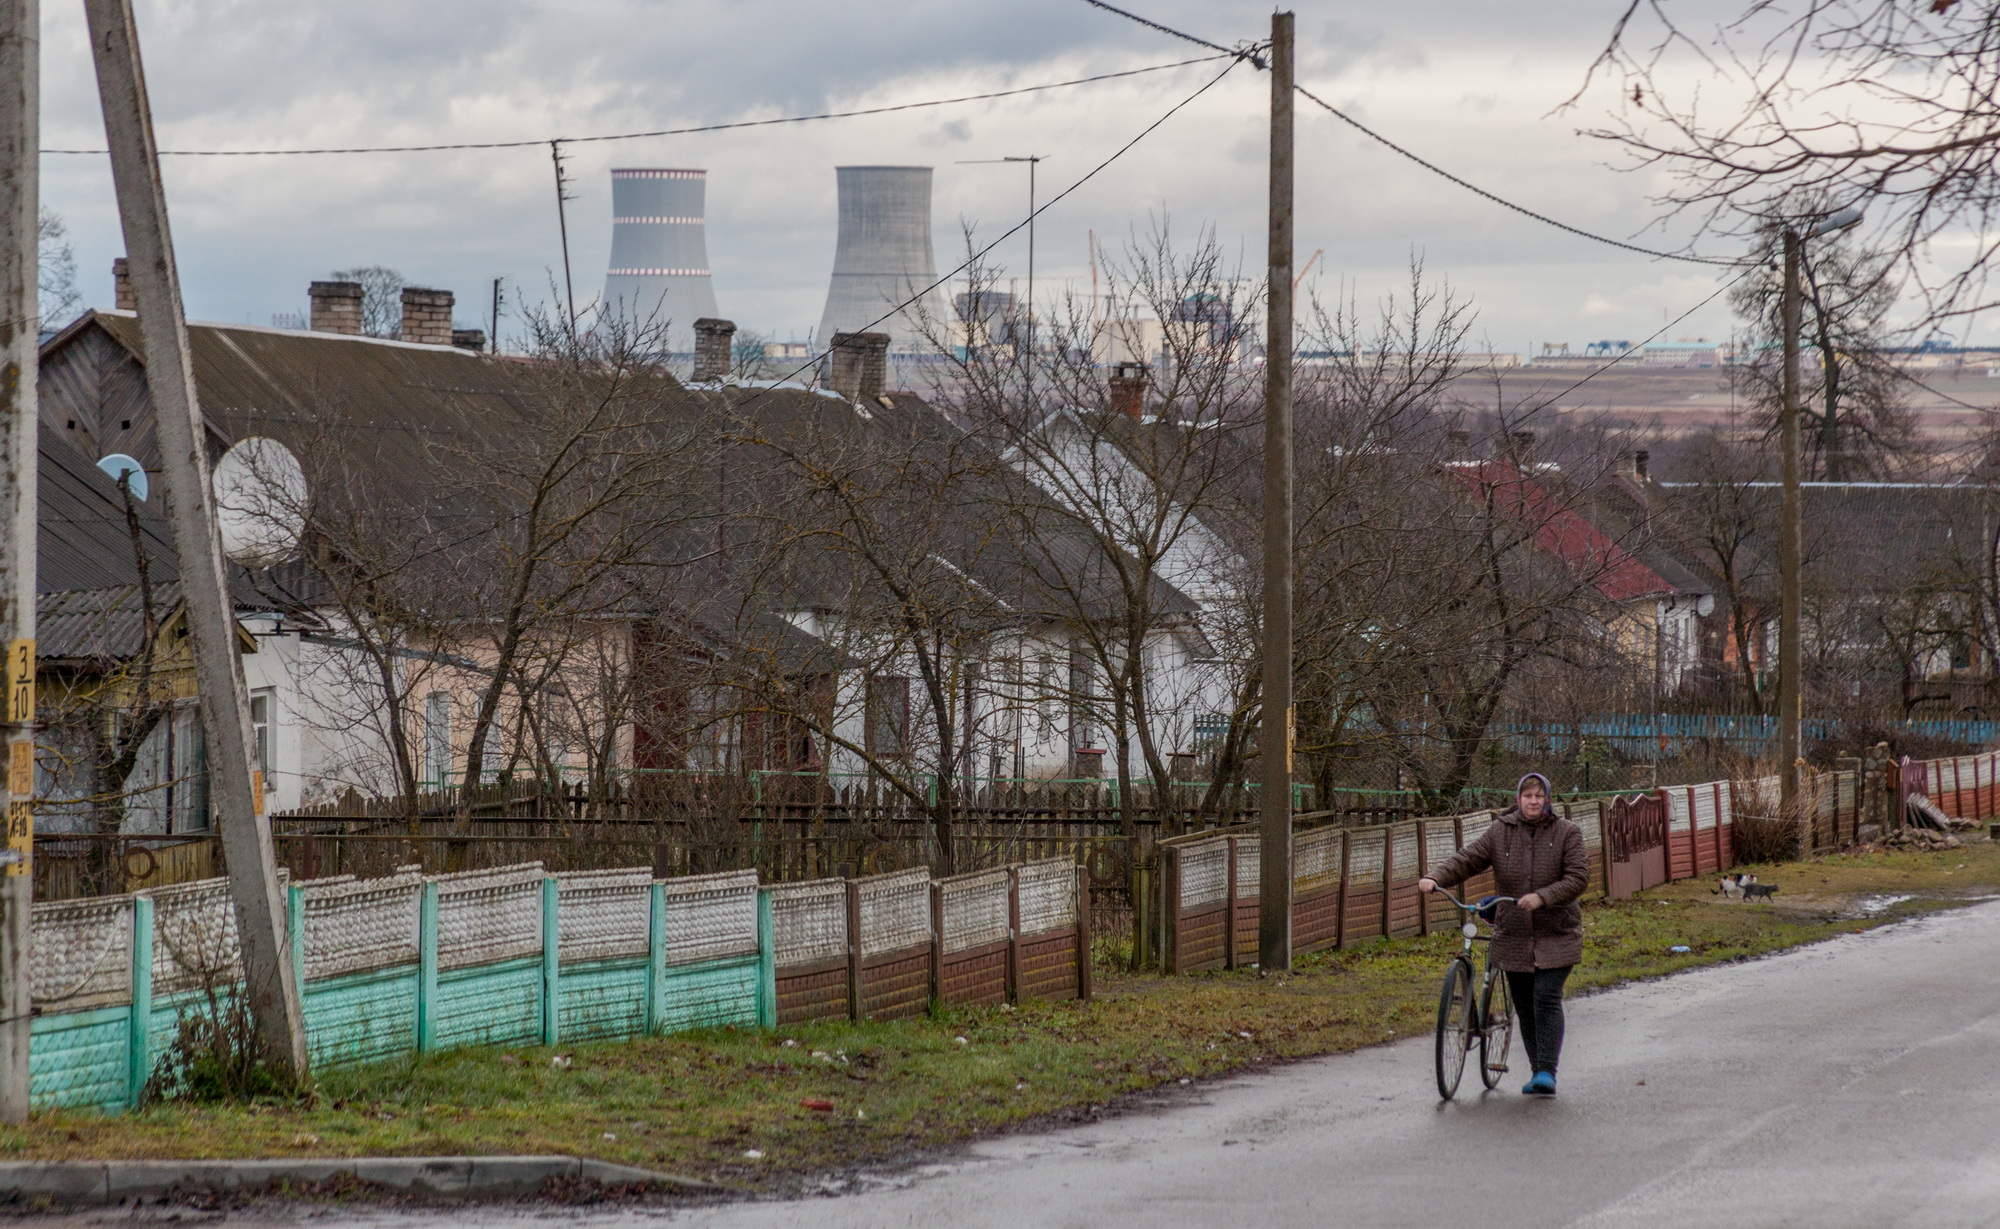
(246, 835)
(20, 324)
(1274, 926)
(1789, 711)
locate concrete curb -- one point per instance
(462, 1176)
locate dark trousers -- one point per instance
(1538, 1004)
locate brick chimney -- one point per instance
(860, 365)
(469, 339)
(426, 316)
(1458, 444)
(712, 340)
(336, 307)
(1521, 448)
(1128, 389)
(1636, 465)
(121, 281)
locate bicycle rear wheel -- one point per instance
(1496, 1032)
(1454, 1028)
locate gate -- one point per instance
(1635, 845)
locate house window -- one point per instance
(437, 738)
(260, 726)
(888, 716)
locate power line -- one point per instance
(674, 132)
(1425, 163)
(1720, 291)
(1248, 52)
(1502, 201)
(1023, 223)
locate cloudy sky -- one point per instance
(1471, 84)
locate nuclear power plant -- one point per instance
(883, 256)
(659, 251)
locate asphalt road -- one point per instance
(1856, 1082)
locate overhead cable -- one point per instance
(973, 259)
(1630, 351)
(1425, 163)
(673, 132)
(1247, 52)
(1502, 201)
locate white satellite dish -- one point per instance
(260, 502)
(118, 465)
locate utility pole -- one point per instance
(1274, 926)
(246, 835)
(493, 344)
(1791, 691)
(20, 325)
(562, 222)
(1789, 600)
(1033, 160)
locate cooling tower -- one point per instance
(883, 256)
(659, 252)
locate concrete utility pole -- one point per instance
(20, 323)
(246, 835)
(1791, 691)
(1274, 927)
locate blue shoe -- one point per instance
(1543, 1085)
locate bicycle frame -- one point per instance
(1480, 1028)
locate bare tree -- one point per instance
(1784, 108)
(60, 298)
(381, 298)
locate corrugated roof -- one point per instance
(98, 624)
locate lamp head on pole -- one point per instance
(1846, 218)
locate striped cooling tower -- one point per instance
(659, 252)
(883, 256)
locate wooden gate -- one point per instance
(1635, 845)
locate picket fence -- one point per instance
(410, 963)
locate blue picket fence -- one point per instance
(1645, 735)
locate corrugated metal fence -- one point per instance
(513, 955)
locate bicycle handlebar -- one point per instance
(1491, 900)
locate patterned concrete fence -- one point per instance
(1966, 786)
(515, 956)
(885, 946)
(1347, 884)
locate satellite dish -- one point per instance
(260, 501)
(118, 465)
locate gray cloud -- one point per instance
(1471, 84)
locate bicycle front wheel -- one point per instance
(1454, 1030)
(1496, 1032)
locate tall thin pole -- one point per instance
(1274, 927)
(493, 345)
(562, 223)
(1032, 163)
(225, 709)
(20, 86)
(1789, 691)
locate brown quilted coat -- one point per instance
(1545, 856)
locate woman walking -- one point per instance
(1538, 859)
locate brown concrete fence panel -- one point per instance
(974, 925)
(1052, 926)
(811, 949)
(889, 920)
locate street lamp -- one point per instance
(1790, 691)
(1033, 160)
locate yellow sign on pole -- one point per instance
(20, 681)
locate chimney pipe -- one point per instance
(469, 339)
(426, 316)
(1458, 444)
(1128, 389)
(860, 365)
(336, 307)
(1523, 445)
(121, 279)
(1642, 465)
(712, 340)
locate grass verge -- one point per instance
(701, 1104)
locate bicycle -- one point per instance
(1463, 1021)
